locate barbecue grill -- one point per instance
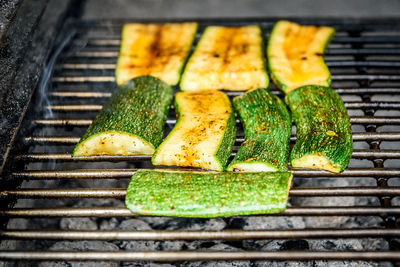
(40, 179)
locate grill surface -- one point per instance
(364, 60)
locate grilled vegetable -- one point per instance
(207, 194)
(204, 133)
(295, 55)
(131, 122)
(267, 128)
(159, 50)
(229, 58)
(324, 139)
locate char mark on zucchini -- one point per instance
(267, 127)
(227, 58)
(159, 50)
(295, 55)
(131, 122)
(207, 194)
(204, 133)
(324, 137)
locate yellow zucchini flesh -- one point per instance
(203, 135)
(159, 50)
(295, 55)
(227, 58)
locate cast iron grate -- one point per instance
(364, 60)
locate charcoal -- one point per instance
(295, 245)
(82, 246)
(194, 224)
(348, 244)
(270, 223)
(134, 224)
(363, 221)
(172, 245)
(218, 247)
(108, 224)
(200, 245)
(335, 244)
(139, 245)
(100, 202)
(78, 224)
(237, 223)
(330, 221)
(281, 264)
(18, 223)
(137, 225)
(396, 201)
(90, 223)
(344, 263)
(145, 264)
(156, 222)
(273, 222)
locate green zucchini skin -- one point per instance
(267, 127)
(227, 142)
(323, 126)
(138, 108)
(207, 194)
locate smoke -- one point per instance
(45, 85)
(45, 80)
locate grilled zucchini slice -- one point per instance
(228, 58)
(207, 194)
(324, 138)
(159, 50)
(295, 55)
(131, 122)
(267, 128)
(204, 133)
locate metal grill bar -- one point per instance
(121, 192)
(341, 90)
(343, 77)
(70, 122)
(360, 153)
(383, 136)
(80, 94)
(111, 66)
(356, 69)
(127, 173)
(78, 174)
(198, 235)
(329, 52)
(124, 212)
(336, 40)
(386, 64)
(94, 66)
(348, 105)
(197, 255)
(362, 51)
(387, 120)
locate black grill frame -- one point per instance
(351, 32)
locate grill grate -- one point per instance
(364, 60)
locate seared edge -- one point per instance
(159, 50)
